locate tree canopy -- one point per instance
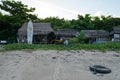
(20, 13)
(16, 8)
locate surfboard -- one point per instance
(30, 32)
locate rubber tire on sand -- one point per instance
(100, 69)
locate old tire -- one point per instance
(100, 69)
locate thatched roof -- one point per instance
(95, 33)
(38, 28)
(66, 32)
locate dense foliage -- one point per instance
(20, 13)
(16, 8)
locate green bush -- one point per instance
(73, 46)
(81, 37)
(73, 40)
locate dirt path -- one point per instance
(57, 65)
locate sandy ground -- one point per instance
(57, 65)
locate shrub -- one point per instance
(74, 40)
(81, 37)
(73, 46)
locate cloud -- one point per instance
(99, 13)
(46, 9)
(116, 16)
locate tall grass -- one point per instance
(72, 46)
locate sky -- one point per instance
(69, 9)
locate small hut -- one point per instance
(96, 36)
(42, 33)
(115, 34)
(66, 33)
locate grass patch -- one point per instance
(73, 46)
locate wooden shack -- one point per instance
(96, 36)
(66, 33)
(42, 33)
(115, 34)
